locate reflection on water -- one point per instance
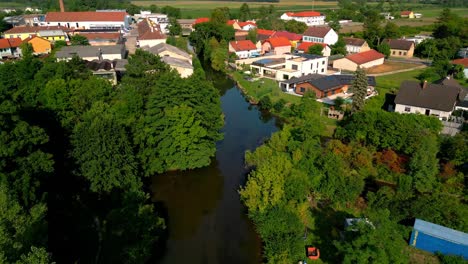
(207, 221)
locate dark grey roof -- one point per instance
(400, 44)
(106, 65)
(327, 82)
(309, 56)
(176, 62)
(433, 96)
(88, 51)
(302, 79)
(448, 82)
(347, 79)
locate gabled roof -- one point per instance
(28, 29)
(318, 32)
(176, 62)
(290, 36)
(85, 16)
(278, 42)
(463, 62)
(433, 96)
(304, 46)
(101, 35)
(243, 24)
(28, 39)
(330, 82)
(400, 44)
(10, 43)
(231, 22)
(243, 45)
(89, 51)
(266, 32)
(304, 14)
(161, 47)
(441, 232)
(201, 20)
(406, 13)
(447, 81)
(147, 31)
(354, 41)
(364, 57)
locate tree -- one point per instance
(339, 47)
(244, 12)
(295, 26)
(359, 87)
(252, 35)
(372, 28)
(171, 11)
(391, 31)
(103, 152)
(315, 49)
(384, 48)
(220, 15)
(174, 27)
(78, 40)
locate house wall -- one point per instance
(22, 36)
(54, 38)
(407, 109)
(282, 50)
(357, 49)
(434, 244)
(184, 72)
(372, 63)
(331, 38)
(326, 51)
(175, 55)
(286, 75)
(304, 87)
(344, 64)
(40, 46)
(5, 52)
(402, 53)
(150, 42)
(310, 21)
(309, 66)
(312, 39)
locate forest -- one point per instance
(76, 152)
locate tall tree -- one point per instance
(372, 28)
(339, 47)
(359, 87)
(79, 40)
(174, 27)
(315, 49)
(244, 12)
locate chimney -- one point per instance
(424, 84)
(62, 6)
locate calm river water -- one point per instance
(207, 221)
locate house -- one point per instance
(176, 58)
(290, 66)
(323, 85)
(244, 49)
(435, 238)
(407, 14)
(463, 62)
(364, 60)
(10, 48)
(200, 20)
(304, 48)
(292, 37)
(247, 25)
(90, 20)
(356, 45)
(234, 24)
(103, 69)
(463, 53)
(50, 33)
(33, 20)
(276, 46)
(401, 48)
(426, 98)
(103, 38)
(263, 34)
(149, 34)
(417, 39)
(240, 35)
(320, 34)
(162, 20)
(310, 18)
(186, 25)
(39, 45)
(90, 53)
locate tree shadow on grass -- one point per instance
(389, 101)
(328, 224)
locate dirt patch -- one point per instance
(357, 27)
(390, 66)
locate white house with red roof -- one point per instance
(303, 47)
(366, 59)
(247, 25)
(10, 47)
(149, 34)
(276, 46)
(89, 20)
(244, 49)
(310, 18)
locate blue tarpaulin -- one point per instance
(435, 238)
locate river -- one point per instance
(207, 222)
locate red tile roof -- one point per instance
(406, 13)
(463, 62)
(366, 56)
(278, 42)
(243, 24)
(85, 16)
(304, 14)
(265, 32)
(243, 45)
(304, 46)
(230, 22)
(288, 35)
(10, 43)
(146, 31)
(27, 29)
(201, 20)
(319, 32)
(100, 35)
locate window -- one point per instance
(393, 52)
(407, 109)
(404, 53)
(285, 76)
(302, 90)
(323, 62)
(323, 70)
(399, 53)
(59, 24)
(294, 67)
(77, 24)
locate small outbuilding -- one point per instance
(435, 238)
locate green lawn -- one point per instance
(389, 84)
(262, 87)
(435, 12)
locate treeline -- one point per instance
(76, 152)
(386, 167)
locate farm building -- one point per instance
(435, 238)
